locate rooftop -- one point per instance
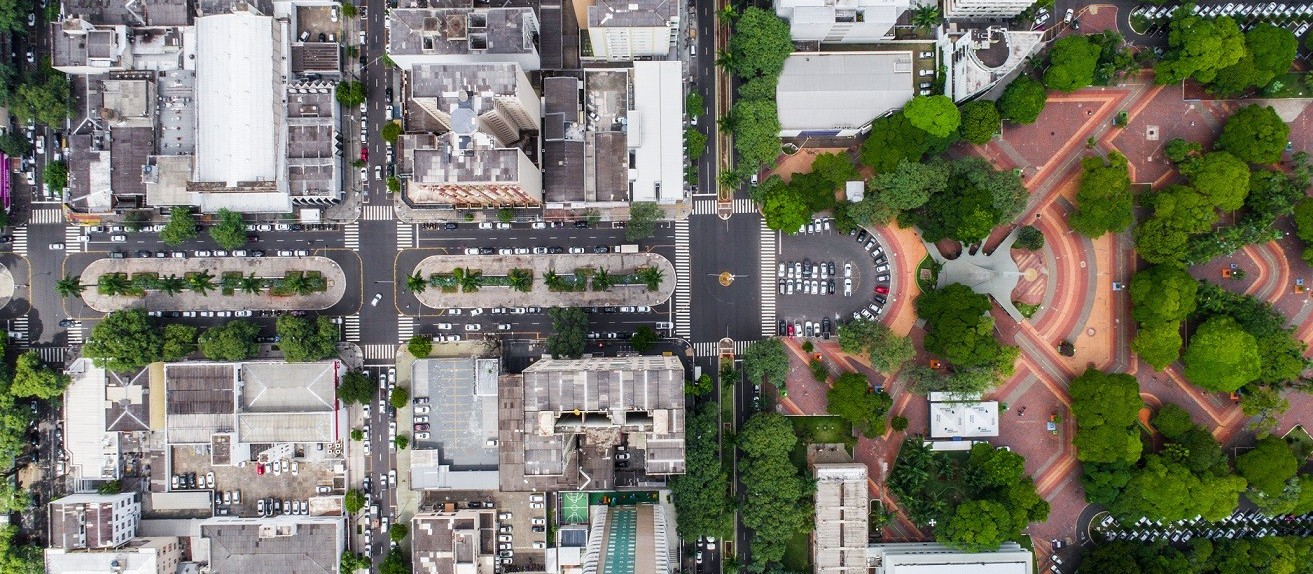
(563, 141)
(450, 84)
(632, 13)
(933, 558)
(841, 90)
(459, 542)
(263, 402)
(456, 28)
(951, 420)
(464, 391)
(285, 544)
(143, 13)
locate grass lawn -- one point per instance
(1299, 439)
(1027, 310)
(930, 267)
(1292, 86)
(797, 555)
(818, 429)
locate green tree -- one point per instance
(643, 217)
(936, 115)
(44, 101)
(911, 184)
(893, 138)
(1268, 465)
(644, 338)
(887, 352)
(351, 94)
(569, 332)
(56, 175)
(420, 346)
(991, 467)
(1106, 407)
(1172, 421)
(181, 227)
(1071, 63)
(694, 103)
(356, 387)
(977, 200)
(772, 482)
(399, 397)
(766, 361)
(357, 434)
(303, 339)
(1273, 50)
(783, 208)
(1222, 357)
(701, 494)
(398, 532)
(1104, 201)
(980, 121)
(70, 286)
(1158, 344)
(1198, 48)
(1029, 238)
(1167, 490)
(958, 326)
(1221, 178)
(179, 341)
(695, 143)
(1179, 150)
(756, 128)
(1254, 134)
(390, 131)
(124, 341)
(416, 283)
(977, 526)
(14, 144)
(33, 378)
(396, 562)
(233, 341)
(402, 441)
(354, 501)
(1023, 100)
(926, 17)
(852, 399)
(1163, 294)
(760, 44)
(229, 231)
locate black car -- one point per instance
(880, 299)
(449, 225)
(252, 238)
(784, 327)
(829, 270)
(554, 250)
(173, 314)
(825, 327)
(610, 310)
(296, 227)
(67, 322)
(881, 260)
(144, 253)
(581, 225)
(486, 251)
(829, 286)
(6, 238)
(601, 249)
(861, 236)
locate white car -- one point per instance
(576, 250)
(847, 269)
(473, 327)
(503, 326)
(476, 311)
(420, 419)
(444, 326)
(377, 297)
(422, 409)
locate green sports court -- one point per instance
(574, 508)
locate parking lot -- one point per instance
(313, 477)
(311, 21)
(1298, 18)
(826, 276)
(1241, 524)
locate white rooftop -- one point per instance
(933, 558)
(964, 419)
(656, 131)
(828, 91)
(239, 80)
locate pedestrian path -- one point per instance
(683, 268)
(405, 235)
(51, 355)
(19, 325)
(351, 235)
(351, 328)
(378, 213)
(73, 239)
(405, 328)
(709, 206)
(712, 349)
(75, 336)
(20, 240)
(380, 352)
(46, 216)
(768, 284)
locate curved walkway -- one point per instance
(497, 296)
(266, 267)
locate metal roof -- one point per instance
(826, 91)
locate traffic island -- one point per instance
(594, 280)
(214, 284)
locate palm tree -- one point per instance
(113, 284)
(601, 280)
(552, 280)
(652, 277)
(201, 282)
(251, 284)
(297, 283)
(69, 286)
(416, 283)
(521, 280)
(926, 17)
(471, 280)
(172, 285)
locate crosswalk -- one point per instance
(73, 239)
(712, 348)
(377, 213)
(19, 325)
(709, 207)
(767, 257)
(51, 355)
(683, 267)
(744, 206)
(405, 235)
(380, 352)
(405, 328)
(46, 216)
(75, 336)
(351, 235)
(20, 240)
(351, 328)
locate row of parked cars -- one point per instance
(192, 481)
(271, 506)
(221, 314)
(823, 328)
(533, 250)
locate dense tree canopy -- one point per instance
(772, 482)
(887, 352)
(234, 341)
(1268, 465)
(1023, 100)
(1255, 134)
(783, 206)
(894, 138)
(180, 227)
(760, 44)
(179, 341)
(356, 387)
(936, 115)
(33, 378)
(1072, 61)
(124, 341)
(766, 361)
(911, 184)
(980, 121)
(701, 494)
(1162, 294)
(852, 399)
(1158, 344)
(977, 200)
(977, 526)
(569, 332)
(756, 127)
(1222, 357)
(1221, 178)
(1178, 212)
(228, 230)
(958, 326)
(1106, 407)
(304, 339)
(45, 101)
(1166, 490)
(1104, 201)
(1198, 48)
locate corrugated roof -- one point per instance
(237, 86)
(842, 90)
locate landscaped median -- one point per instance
(613, 279)
(213, 283)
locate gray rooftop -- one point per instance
(127, 398)
(563, 141)
(284, 545)
(454, 159)
(312, 166)
(459, 29)
(316, 58)
(632, 13)
(447, 83)
(842, 89)
(462, 394)
(140, 13)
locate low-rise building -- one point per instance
(459, 450)
(629, 29)
(451, 541)
(841, 21)
(151, 555)
(291, 544)
(455, 32)
(923, 557)
(842, 515)
(465, 169)
(91, 521)
(838, 94)
(260, 402)
(956, 417)
(984, 9)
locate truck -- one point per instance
(627, 248)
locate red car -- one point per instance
(790, 329)
(259, 469)
(882, 289)
(364, 154)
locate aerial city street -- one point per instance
(656, 287)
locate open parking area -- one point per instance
(303, 477)
(825, 276)
(1298, 18)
